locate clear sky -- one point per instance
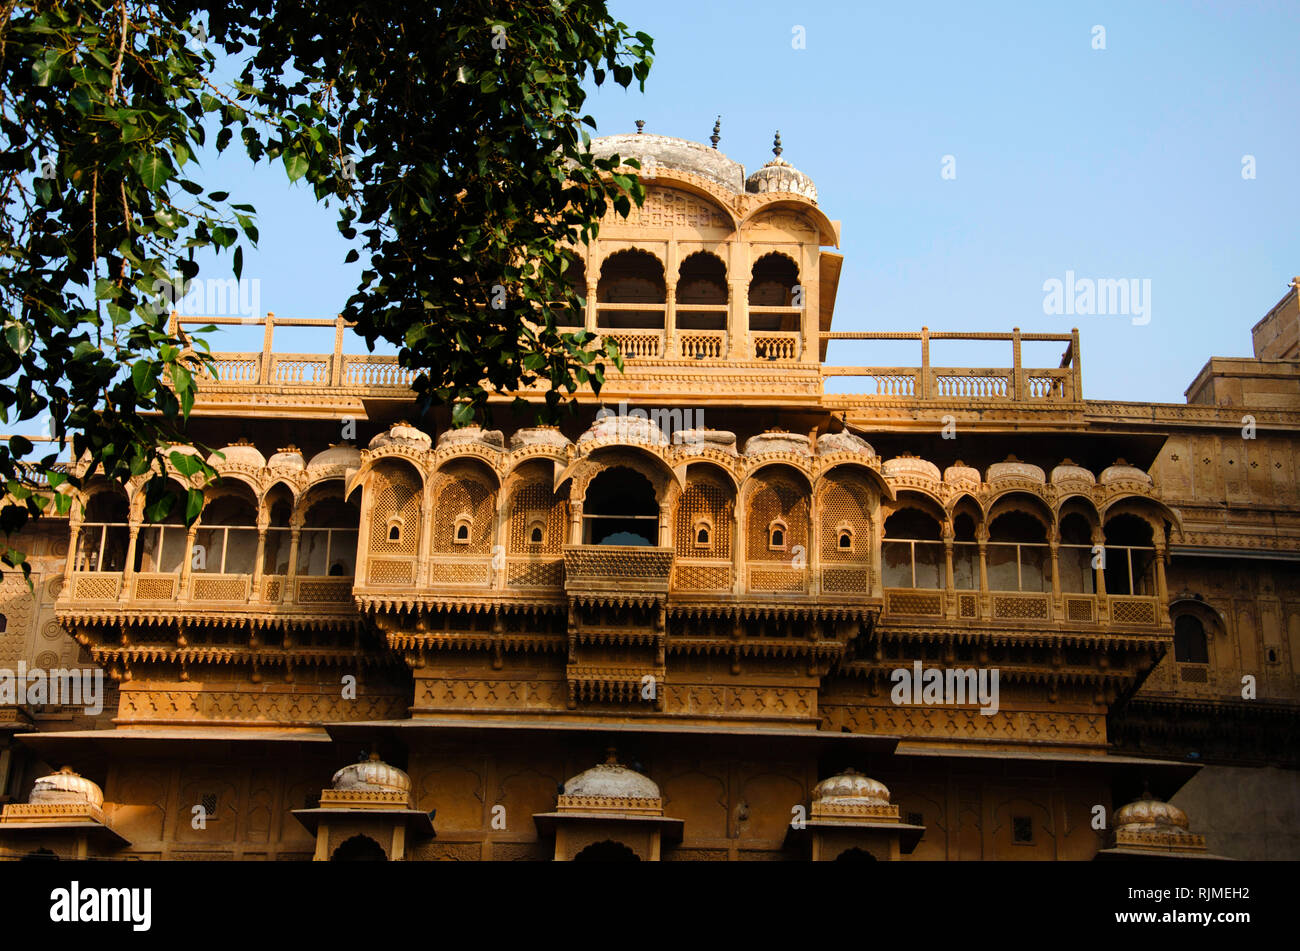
(1117, 163)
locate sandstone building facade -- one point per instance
(675, 627)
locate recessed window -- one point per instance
(703, 534)
(1190, 646)
(394, 533)
(462, 530)
(846, 539)
(535, 535)
(1022, 830)
(776, 536)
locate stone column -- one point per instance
(670, 322)
(950, 578)
(982, 538)
(128, 569)
(738, 321)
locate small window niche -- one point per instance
(776, 535)
(703, 534)
(461, 535)
(395, 530)
(844, 538)
(536, 533)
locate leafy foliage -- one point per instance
(449, 136)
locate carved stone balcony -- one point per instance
(1066, 610)
(617, 569)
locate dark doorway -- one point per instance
(607, 851)
(359, 848)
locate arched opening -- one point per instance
(855, 855)
(607, 851)
(702, 536)
(359, 848)
(40, 855)
(912, 550)
(275, 553)
(395, 532)
(1019, 558)
(536, 535)
(1075, 556)
(965, 552)
(845, 539)
(327, 544)
(226, 542)
(775, 296)
(105, 535)
(776, 535)
(702, 293)
(777, 524)
(160, 546)
(462, 532)
(632, 292)
(1190, 644)
(1130, 556)
(620, 509)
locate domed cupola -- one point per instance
(371, 775)
(65, 786)
(779, 175)
(612, 787)
(1152, 827)
(852, 793)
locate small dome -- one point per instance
(710, 438)
(404, 434)
(372, 774)
(624, 428)
(609, 780)
(911, 465)
(1151, 813)
(666, 152)
(1067, 471)
(1013, 468)
(773, 441)
(472, 434)
(339, 454)
(851, 787)
(961, 474)
(540, 436)
(290, 457)
(843, 442)
(779, 175)
(66, 786)
(1121, 471)
(238, 453)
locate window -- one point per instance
(845, 539)
(1076, 555)
(1130, 556)
(965, 553)
(226, 540)
(776, 536)
(104, 536)
(394, 532)
(1018, 556)
(327, 544)
(620, 509)
(911, 551)
(536, 535)
(1022, 830)
(462, 530)
(702, 535)
(1190, 646)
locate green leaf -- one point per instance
(295, 165)
(152, 169)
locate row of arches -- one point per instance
(701, 292)
(237, 532)
(1020, 544)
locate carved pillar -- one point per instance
(665, 531)
(591, 306)
(128, 569)
(1054, 546)
(291, 580)
(813, 565)
(950, 579)
(575, 522)
(670, 321)
(738, 321)
(74, 541)
(1162, 591)
(187, 566)
(982, 538)
(263, 523)
(738, 550)
(1099, 573)
(424, 540)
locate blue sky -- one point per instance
(1116, 163)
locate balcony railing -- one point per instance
(1027, 607)
(964, 384)
(617, 568)
(703, 344)
(205, 589)
(776, 345)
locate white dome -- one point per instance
(349, 457)
(961, 474)
(372, 774)
(290, 457)
(239, 453)
(1013, 468)
(911, 465)
(539, 436)
(609, 780)
(1121, 471)
(1067, 471)
(779, 175)
(404, 434)
(851, 788)
(629, 428)
(843, 442)
(777, 442)
(66, 786)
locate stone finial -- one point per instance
(640, 126)
(776, 144)
(717, 132)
